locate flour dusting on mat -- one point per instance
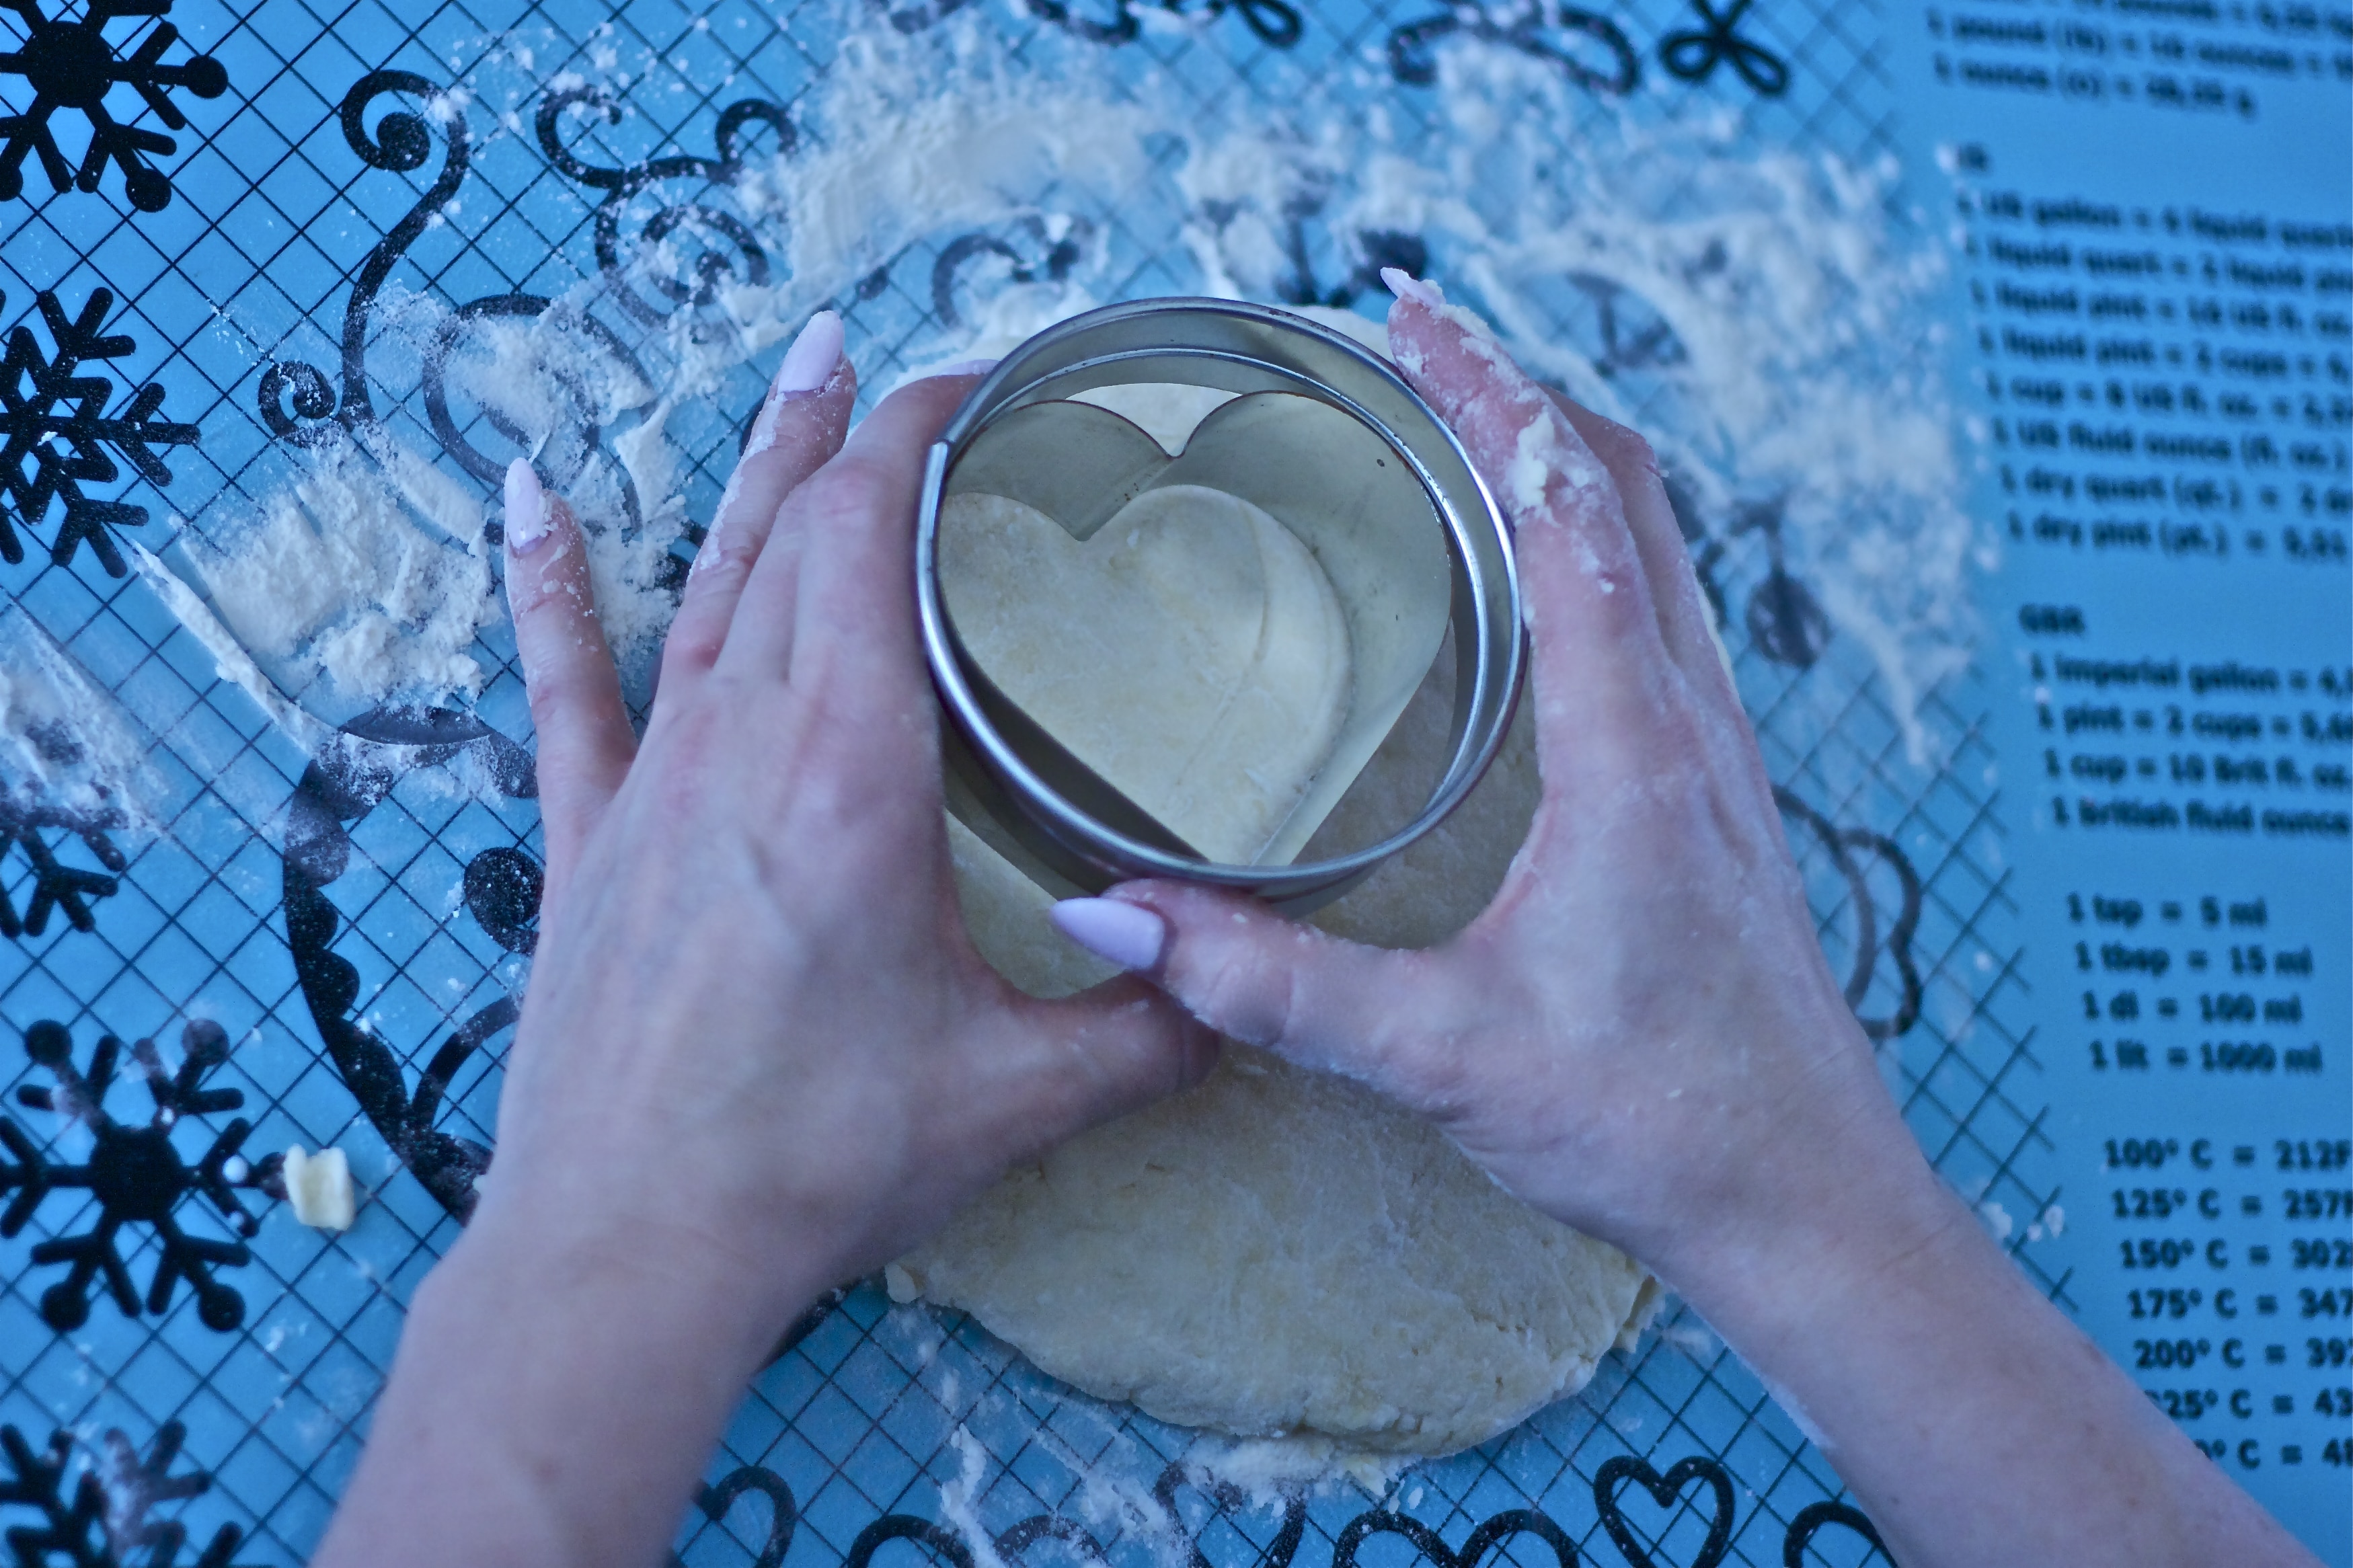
(68, 751)
(1757, 314)
(338, 578)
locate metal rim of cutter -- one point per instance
(1240, 348)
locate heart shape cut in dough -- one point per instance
(1191, 650)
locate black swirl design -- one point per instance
(716, 1503)
(335, 792)
(399, 142)
(1275, 23)
(1048, 259)
(732, 250)
(1490, 1537)
(1506, 1536)
(1616, 72)
(1694, 56)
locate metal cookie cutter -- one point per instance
(1322, 434)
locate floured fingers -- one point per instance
(799, 428)
(1675, 595)
(586, 742)
(1602, 668)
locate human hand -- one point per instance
(1639, 1036)
(759, 1055)
(755, 1028)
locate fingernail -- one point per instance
(809, 363)
(1406, 286)
(1113, 930)
(527, 526)
(963, 367)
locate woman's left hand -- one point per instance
(759, 1055)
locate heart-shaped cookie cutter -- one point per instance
(1323, 435)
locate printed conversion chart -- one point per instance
(1998, 357)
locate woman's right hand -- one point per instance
(1639, 1036)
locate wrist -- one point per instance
(1851, 1210)
(559, 1381)
(657, 1280)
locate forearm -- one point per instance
(1935, 1378)
(553, 1398)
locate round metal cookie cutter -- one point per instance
(1013, 784)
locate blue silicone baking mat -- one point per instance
(1998, 357)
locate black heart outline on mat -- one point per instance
(1665, 1490)
(1840, 844)
(1815, 1517)
(1498, 1528)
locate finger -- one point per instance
(1256, 977)
(857, 623)
(1600, 665)
(800, 427)
(845, 611)
(586, 744)
(1065, 1066)
(1684, 620)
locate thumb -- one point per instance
(1256, 977)
(1065, 1066)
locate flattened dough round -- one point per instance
(1277, 1251)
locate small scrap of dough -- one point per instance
(318, 1188)
(1191, 652)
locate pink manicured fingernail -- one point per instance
(527, 527)
(1113, 930)
(1406, 286)
(809, 363)
(963, 367)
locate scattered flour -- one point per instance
(68, 751)
(337, 578)
(1996, 1220)
(896, 160)
(1757, 315)
(1751, 312)
(960, 1499)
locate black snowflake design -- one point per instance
(57, 888)
(105, 1518)
(56, 435)
(70, 65)
(137, 1176)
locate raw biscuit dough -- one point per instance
(1276, 1251)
